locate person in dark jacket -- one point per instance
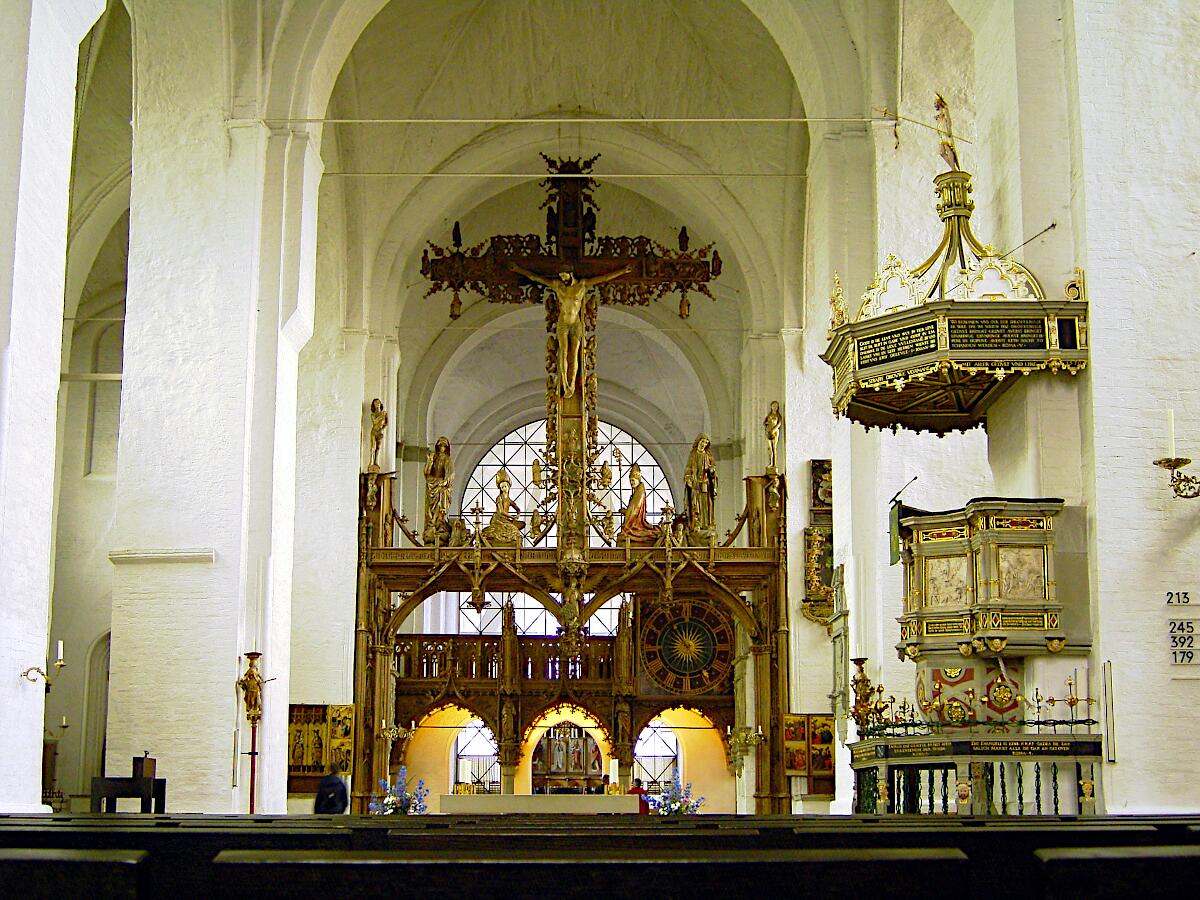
(331, 795)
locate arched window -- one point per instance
(656, 756)
(104, 403)
(476, 759)
(516, 452)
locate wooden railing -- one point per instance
(430, 657)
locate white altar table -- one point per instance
(539, 803)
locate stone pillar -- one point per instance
(220, 295)
(625, 775)
(508, 779)
(37, 68)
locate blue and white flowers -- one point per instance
(676, 800)
(397, 800)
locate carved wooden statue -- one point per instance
(571, 292)
(771, 425)
(379, 422)
(504, 530)
(700, 482)
(439, 484)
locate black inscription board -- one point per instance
(997, 334)
(1043, 747)
(895, 345)
(918, 749)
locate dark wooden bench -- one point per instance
(40, 872)
(833, 875)
(1100, 873)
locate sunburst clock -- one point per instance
(687, 647)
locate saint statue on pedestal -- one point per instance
(379, 422)
(700, 484)
(636, 528)
(504, 530)
(439, 483)
(771, 425)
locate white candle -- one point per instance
(64, 722)
(60, 651)
(1171, 433)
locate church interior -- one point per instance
(776, 403)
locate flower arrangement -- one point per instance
(676, 800)
(397, 800)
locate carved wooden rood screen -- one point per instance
(691, 595)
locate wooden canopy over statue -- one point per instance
(691, 593)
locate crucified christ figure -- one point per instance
(570, 292)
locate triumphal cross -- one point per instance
(571, 272)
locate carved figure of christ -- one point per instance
(571, 292)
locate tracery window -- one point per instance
(476, 759)
(656, 756)
(516, 452)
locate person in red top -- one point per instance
(643, 802)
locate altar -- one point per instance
(539, 804)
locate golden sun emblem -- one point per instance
(687, 644)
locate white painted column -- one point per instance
(37, 68)
(330, 453)
(220, 296)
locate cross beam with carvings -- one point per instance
(571, 244)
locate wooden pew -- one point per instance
(35, 872)
(1101, 873)
(833, 875)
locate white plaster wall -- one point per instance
(82, 592)
(1136, 214)
(35, 157)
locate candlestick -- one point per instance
(1171, 433)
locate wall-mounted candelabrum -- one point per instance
(32, 673)
(741, 742)
(392, 733)
(1186, 486)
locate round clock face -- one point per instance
(687, 647)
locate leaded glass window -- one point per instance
(476, 759)
(516, 452)
(656, 756)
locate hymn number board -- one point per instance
(1183, 629)
(686, 646)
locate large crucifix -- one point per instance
(571, 272)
